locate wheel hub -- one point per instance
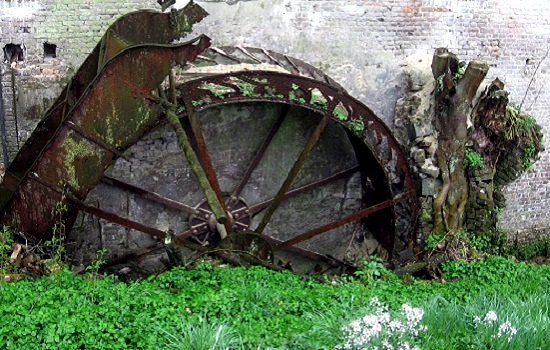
(205, 228)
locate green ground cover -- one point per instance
(489, 304)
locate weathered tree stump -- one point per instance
(453, 106)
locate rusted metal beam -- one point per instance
(210, 194)
(292, 174)
(114, 218)
(348, 219)
(261, 150)
(182, 240)
(224, 254)
(343, 174)
(136, 28)
(112, 69)
(147, 27)
(206, 164)
(95, 140)
(149, 195)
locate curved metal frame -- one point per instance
(331, 103)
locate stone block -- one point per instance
(430, 169)
(428, 141)
(371, 245)
(430, 186)
(418, 155)
(422, 129)
(430, 144)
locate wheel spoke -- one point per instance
(204, 157)
(211, 195)
(193, 231)
(114, 218)
(152, 196)
(261, 151)
(207, 167)
(350, 218)
(292, 174)
(343, 174)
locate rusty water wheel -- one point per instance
(308, 178)
(285, 153)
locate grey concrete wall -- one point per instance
(362, 44)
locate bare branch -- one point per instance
(532, 80)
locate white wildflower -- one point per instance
(380, 328)
(477, 321)
(490, 317)
(387, 345)
(396, 326)
(413, 314)
(507, 329)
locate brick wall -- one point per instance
(362, 44)
(74, 27)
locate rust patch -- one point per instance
(111, 101)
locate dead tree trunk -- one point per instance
(453, 105)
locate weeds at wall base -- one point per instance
(260, 309)
(469, 246)
(529, 250)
